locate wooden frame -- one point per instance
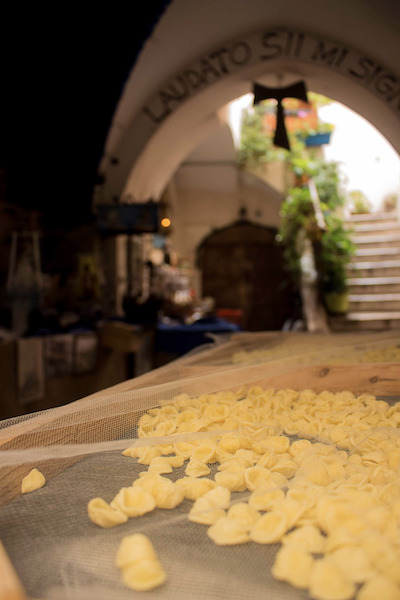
(379, 379)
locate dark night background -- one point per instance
(62, 75)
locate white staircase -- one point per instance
(374, 275)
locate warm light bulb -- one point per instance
(166, 222)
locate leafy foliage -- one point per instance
(256, 147)
(335, 246)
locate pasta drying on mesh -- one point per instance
(330, 496)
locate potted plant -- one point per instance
(332, 243)
(319, 136)
(337, 249)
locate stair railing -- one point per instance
(312, 188)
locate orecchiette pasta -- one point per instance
(244, 514)
(209, 508)
(33, 481)
(331, 496)
(133, 548)
(269, 528)
(266, 498)
(307, 537)
(195, 487)
(234, 480)
(294, 565)
(141, 569)
(228, 531)
(196, 468)
(379, 587)
(104, 515)
(133, 501)
(327, 582)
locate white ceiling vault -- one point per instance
(202, 55)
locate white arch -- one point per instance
(168, 126)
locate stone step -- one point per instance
(373, 217)
(368, 302)
(373, 285)
(376, 268)
(377, 240)
(372, 228)
(384, 315)
(373, 275)
(366, 254)
(376, 322)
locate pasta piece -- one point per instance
(277, 443)
(243, 514)
(379, 587)
(339, 538)
(104, 515)
(384, 554)
(278, 479)
(196, 468)
(165, 427)
(247, 457)
(184, 449)
(144, 454)
(133, 548)
(175, 461)
(257, 477)
(286, 467)
(269, 528)
(266, 498)
(293, 565)
(33, 481)
(168, 411)
(218, 497)
(293, 511)
(195, 487)
(231, 464)
(322, 471)
(186, 417)
(246, 442)
(210, 507)
(216, 412)
(228, 531)
(144, 575)
(233, 480)
(307, 538)
(228, 444)
(333, 514)
(160, 464)
(267, 460)
(166, 494)
(354, 563)
(300, 446)
(293, 426)
(206, 515)
(307, 496)
(205, 451)
(133, 501)
(148, 481)
(167, 449)
(327, 582)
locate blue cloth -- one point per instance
(178, 338)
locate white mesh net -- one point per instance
(236, 400)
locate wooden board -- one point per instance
(377, 379)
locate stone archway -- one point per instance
(175, 118)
